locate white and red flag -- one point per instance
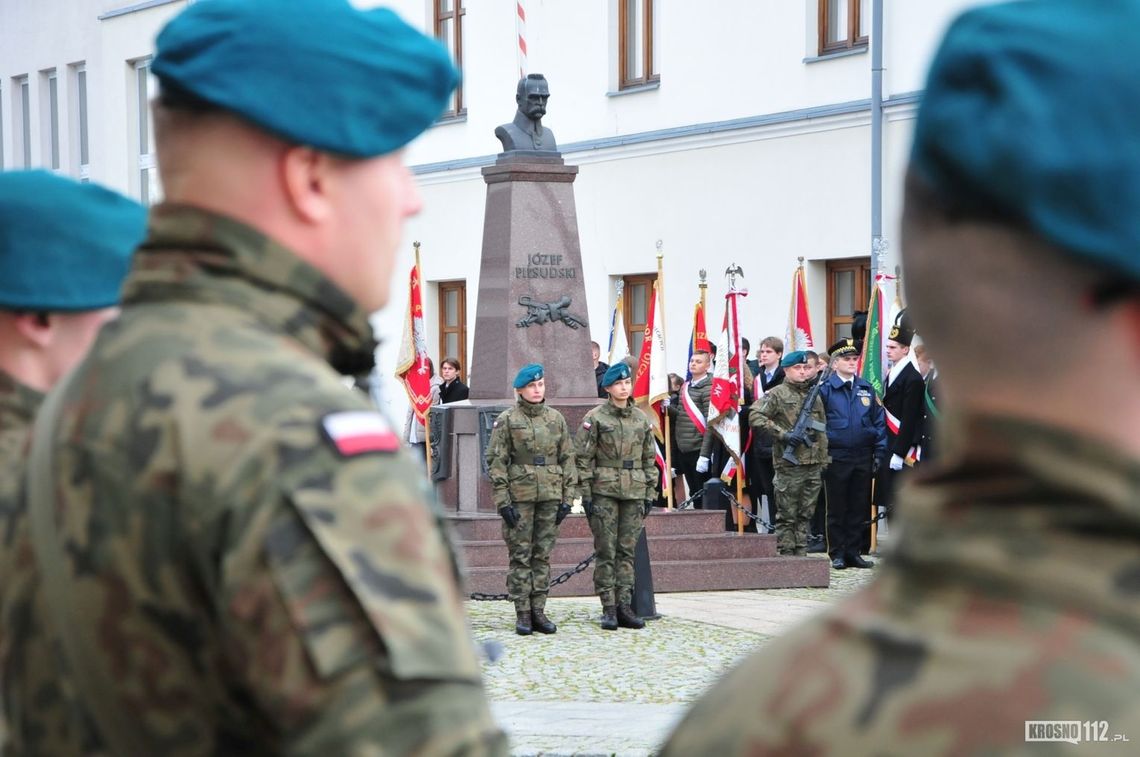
(412, 362)
(728, 383)
(651, 384)
(798, 335)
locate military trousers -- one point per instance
(847, 484)
(529, 545)
(797, 488)
(616, 525)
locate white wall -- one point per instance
(759, 196)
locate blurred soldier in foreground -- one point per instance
(1013, 594)
(65, 249)
(531, 460)
(243, 560)
(617, 479)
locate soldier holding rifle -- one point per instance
(793, 415)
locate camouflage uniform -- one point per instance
(18, 407)
(531, 461)
(1012, 596)
(255, 587)
(616, 471)
(797, 486)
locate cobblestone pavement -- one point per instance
(588, 691)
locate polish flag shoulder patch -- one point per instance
(359, 432)
(586, 425)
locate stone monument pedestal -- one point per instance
(531, 308)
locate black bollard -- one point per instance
(644, 605)
(716, 498)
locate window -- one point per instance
(843, 25)
(51, 115)
(453, 323)
(638, 33)
(1, 128)
(449, 30)
(848, 290)
(21, 123)
(80, 135)
(148, 187)
(636, 295)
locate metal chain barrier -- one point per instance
(479, 596)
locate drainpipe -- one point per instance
(878, 244)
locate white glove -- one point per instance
(703, 464)
(665, 402)
(896, 462)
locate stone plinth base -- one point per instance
(689, 549)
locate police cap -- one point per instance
(844, 348)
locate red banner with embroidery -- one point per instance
(412, 364)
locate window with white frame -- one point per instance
(49, 118)
(21, 123)
(80, 138)
(149, 190)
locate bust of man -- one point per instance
(526, 131)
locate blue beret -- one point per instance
(527, 374)
(64, 246)
(1031, 109)
(320, 73)
(614, 373)
(793, 358)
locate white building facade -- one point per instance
(735, 131)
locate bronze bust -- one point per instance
(526, 132)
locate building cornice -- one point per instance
(855, 113)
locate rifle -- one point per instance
(804, 422)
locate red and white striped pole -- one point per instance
(520, 24)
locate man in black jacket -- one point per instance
(452, 389)
(763, 470)
(902, 400)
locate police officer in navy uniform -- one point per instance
(902, 400)
(857, 441)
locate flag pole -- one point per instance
(427, 415)
(668, 472)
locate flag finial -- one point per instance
(703, 274)
(801, 259)
(732, 272)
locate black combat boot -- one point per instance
(541, 623)
(522, 625)
(626, 617)
(609, 619)
(855, 561)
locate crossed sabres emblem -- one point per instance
(548, 312)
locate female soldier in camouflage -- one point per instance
(531, 462)
(616, 476)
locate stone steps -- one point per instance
(488, 527)
(723, 546)
(689, 551)
(683, 575)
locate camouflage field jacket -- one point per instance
(263, 569)
(530, 456)
(1012, 595)
(776, 415)
(615, 454)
